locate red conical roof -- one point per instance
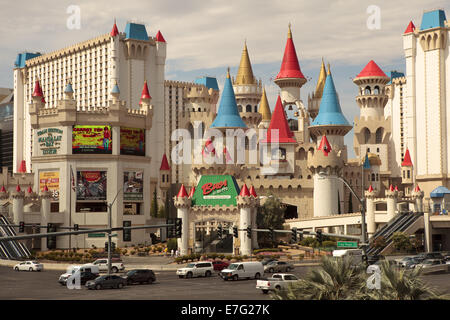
(29, 190)
(37, 92)
(22, 167)
(290, 67)
(396, 188)
(279, 122)
(164, 163)
(324, 146)
(407, 160)
(191, 192)
(3, 189)
(370, 189)
(182, 193)
(244, 191)
(410, 28)
(114, 31)
(417, 189)
(45, 188)
(18, 188)
(145, 94)
(159, 37)
(391, 188)
(371, 70)
(253, 191)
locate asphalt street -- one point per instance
(44, 285)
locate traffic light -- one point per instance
(126, 232)
(235, 232)
(319, 236)
(51, 240)
(170, 229)
(21, 227)
(106, 246)
(113, 246)
(249, 232)
(294, 235)
(75, 227)
(178, 226)
(219, 231)
(272, 234)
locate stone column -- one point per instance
(391, 200)
(370, 212)
(246, 205)
(183, 205)
(45, 196)
(18, 196)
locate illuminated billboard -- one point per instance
(132, 141)
(91, 139)
(133, 185)
(51, 180)
(91, 185)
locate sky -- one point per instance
(206, 37)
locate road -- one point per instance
(44, 285)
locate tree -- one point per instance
(270, 215)
(162, 212)
(154, 206)
(379, 242)
(350, 203)
(401, 241)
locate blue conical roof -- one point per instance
(330, 112)
(228, 114)
(68, 88)
(115, 89)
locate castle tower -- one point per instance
(327, 131)
(264, 110)
(372, 129)
(246, 203)
(427, 72)
(407, 172)
(290, 78)
(164, 176)
(114, 64)
(183, 204)
(315, 98)
(248, 91)
(280, 143)
(370, 195)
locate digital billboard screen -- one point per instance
(132, 141)
(91, 139)
(91, 185)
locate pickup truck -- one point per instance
(278, 281)
(103, 265)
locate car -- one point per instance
(266, 261)
(447, 259)
(279, 281)
(140, 276)
(429, 255)
(220, 265)
(196, 269)
(278, 266)
(87, 272)
(106, 281)
(239, 270)
(102, 264)
(433, 265)
(29, 266)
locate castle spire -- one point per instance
(290, 67)
(320, 81)
(114, 30)
(279, 124)
(245, 72)
(264, 107)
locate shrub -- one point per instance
(301, 256)
(221, 256)
(266, 250)
(133, 252)
(172, 244)
(228, 257)
(259, 258)
(328, 244)
(179, 260)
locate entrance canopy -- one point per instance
(213, 190)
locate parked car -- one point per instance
(220, 265)
(278, 266)
(196, 269)
(279, 281)
(102, 264)
(140, 276)
(239, 270)
(447, 259)
(433, 265)
(87, 272)
(355, 255)
(429, 255)
(266, 261)
(29, 266)
(106, 281)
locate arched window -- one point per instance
(302, 154)
(293, 124)
(379, 135)
(367, 90)
(373, 176)
(256, 108)
(279, 154)
(240, 108)
(248, 108)
(376, 90)
(366, 135)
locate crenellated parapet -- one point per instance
(319, 161)
(182, 202)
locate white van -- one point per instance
(239, 270)
(355, 255)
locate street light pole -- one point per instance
(363, 209)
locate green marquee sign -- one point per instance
(216, 190)
(347, 244)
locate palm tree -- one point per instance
(336, 279)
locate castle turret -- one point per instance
(407, 172)
(290, 78)
(248, 91)
(183, 204)
(114, 64)
(264, 110)
(246, 203)
(370, 195)
(315, 98)
(164, 176)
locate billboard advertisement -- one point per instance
(132, 141)
(91, 139)
(51, 180)
(49, 141)
(216, 190)
(133, 185)
(91, 185)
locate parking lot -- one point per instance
(44, 285)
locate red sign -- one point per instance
(209, 187)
